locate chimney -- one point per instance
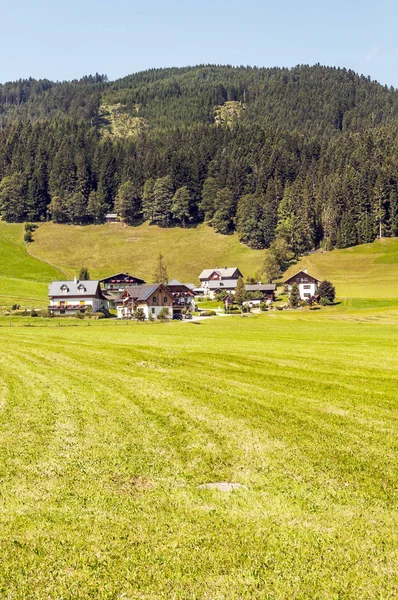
(225, 267)
(305, 270)
(76, 280)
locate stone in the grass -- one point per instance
(222, 486)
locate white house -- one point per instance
(308, 284)
(151, 298)
(213, 281)
(70, 297)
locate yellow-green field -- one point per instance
(107, 249)
(108, 428)
(366, 271)
(107, 431)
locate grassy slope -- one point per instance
(23, 278)
(366, 271)
(106, 249)
(106, 432)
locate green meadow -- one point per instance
(107, 431)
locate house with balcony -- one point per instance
(183, 296)
(151, 298)
(71, 297)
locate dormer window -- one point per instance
(64, 289)
(81, 288)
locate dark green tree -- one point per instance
(294, 297)
(180, 207)
(326, 290)
(84, 274)
(128, 202)
(240, 291)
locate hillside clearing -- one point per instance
(107, 249)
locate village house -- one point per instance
(183, 296)
(214, 281)
(151, 298)
(267, 290)
(70, 297)
(308, 284)
(114, 285)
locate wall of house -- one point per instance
(307, 289)
(96, 303)
(123, 312)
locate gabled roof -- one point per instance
(140, 293)
(74, 288)
(260, 287)
(175, 282)
(225, 273)
(305, 273)
(119, 275)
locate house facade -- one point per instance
(214, 281)
(308, 284)
(70, 297)
(183, 296)
(151, 298)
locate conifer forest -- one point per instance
(308, 154)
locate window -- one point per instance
(153, 310)
(81, 302)
(307, 295)
(307, 287)
(165, 299)
(154, 299)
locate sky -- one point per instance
(63, 40)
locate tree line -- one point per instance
(310, 157)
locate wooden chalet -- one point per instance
(151, 298)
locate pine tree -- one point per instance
(84, 274)
(162, 200)
(160, 273)
(180, 207)
(96, 207)
(128, 202)
(240, 291)
(148, 206)
(294, 297)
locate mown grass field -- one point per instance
(107, 249)
(107, 430)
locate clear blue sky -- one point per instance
(65, 39)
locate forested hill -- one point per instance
(308, 154)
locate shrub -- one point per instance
(263, 306)
(325, 302)
(79, 315)
(33, 313)
(15, 307)
(99, 315)
(139, 314)
(164, 314)
(28, 237)
(30, 226)
(208, 313)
